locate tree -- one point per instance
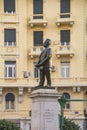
(8, 125)
(70, 125)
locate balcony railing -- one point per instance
(65, 50)
(64, 19)
(37, 20)
(35, 51)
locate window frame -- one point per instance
(67, 105)
(9, 104)
(9, 41)
(65, 9)
(10, 69)
(37, 9)
(65, 69)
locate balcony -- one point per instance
(65, 19)
(35, 51)
(65, 50)
(37, 20)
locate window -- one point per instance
(65, 37)
(65, 69)
(38, 38)
(9, 101)
(67, 96)
(65, 8)
(9, 6)
(10, 69)
(38, 8)
(10, 37)
(36, 72)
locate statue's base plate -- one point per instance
(43, 87)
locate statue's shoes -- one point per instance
(48, 85)
(39, 86)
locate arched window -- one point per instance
(10, 101)
(67, 96)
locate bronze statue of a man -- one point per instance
(44, 64)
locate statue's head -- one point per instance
(47, 42)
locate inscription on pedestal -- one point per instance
(49, 115)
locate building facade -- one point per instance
(24, 25)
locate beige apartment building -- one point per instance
(24, 25)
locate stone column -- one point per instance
(45, 109)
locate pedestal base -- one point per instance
(45, 109)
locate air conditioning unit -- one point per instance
(53, 68)
(26, 74)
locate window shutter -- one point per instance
(10, 35)
(65, 6)
(65, 36)
(38, 38)
(38, 6)
(9, 6)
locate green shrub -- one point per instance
(70, 125)
(8, 125)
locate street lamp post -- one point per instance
(62, 103)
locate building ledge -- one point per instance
(37, 20)
(65, 19)
(10, 18)
(64, 50)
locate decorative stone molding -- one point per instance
(76, 89)
(20, 94)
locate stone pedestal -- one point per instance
(45, 109)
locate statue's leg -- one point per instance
(42, 77)
(48, 76)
